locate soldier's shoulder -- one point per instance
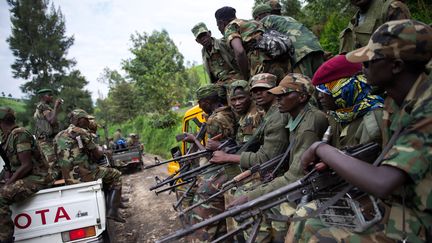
(21, 134)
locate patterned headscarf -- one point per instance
(352, 96)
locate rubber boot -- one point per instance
(114, 198)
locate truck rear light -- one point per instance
(135, 160)
(78, 234)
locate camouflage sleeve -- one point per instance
(398, 10)
(88, 142)
(221, 123)
(23, 142)
(232, 31)
(275, 142)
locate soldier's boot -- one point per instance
(114, 199)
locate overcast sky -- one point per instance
(102, 30)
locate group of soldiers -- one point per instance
(313, 105)
(35, 162)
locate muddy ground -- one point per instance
(149, 216)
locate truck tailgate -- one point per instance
(60, 209)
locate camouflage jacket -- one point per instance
(248, 123)
(73, 146)
(412, 154)
(222, 121)
(43, 127)
(220, 63)
(303, 39)
(308, 127)
(21, 140)
(358, 33)
(272, 136)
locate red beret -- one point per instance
(336, 68)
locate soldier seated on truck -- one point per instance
(133, 141)
(77, 155)
(24, 172)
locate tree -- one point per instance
(40, 46)
(10, 95)
(3, 94)
(157, 71)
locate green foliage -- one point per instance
(156, 140)
(157, 71)
(421, 10)
(329, 38)
(19, 106)
(167, 120)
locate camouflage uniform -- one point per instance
(248, 123)
(221, 121)
(361, 27)
(45, 132)
(73, 147)
(409, 40)
(20, 140)
(250, 31)
(308, 51)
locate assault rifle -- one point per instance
(191, 174)
(312, 186)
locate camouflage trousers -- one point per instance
(110, 177)
(260, 63)
(313, 230)
(269, 230)
(309, 63)
(46, 148)
(9, 194)
(207, 185)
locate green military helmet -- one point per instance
(199, 29)
(44, 91)
(5, 110)
(79, 113)
(261, 9)
(210, 90)
(239, 84)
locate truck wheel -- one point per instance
(105, 237)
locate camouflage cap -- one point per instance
(261, 9)
(239, 84)
(294, 82)
(274, 4)
(132, 135)
(210, 90)
(264, 80)
(407, 39)
(199, 29)
(43, 91)
(79, 113)
(4, 110)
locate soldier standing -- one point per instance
(395, 60)
(46, 124)
(370, 15)
(308, 52)
(218, 58)
(242, 36)
(77, 155)
(26, 172)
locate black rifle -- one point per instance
(7, 165)
(313, 185)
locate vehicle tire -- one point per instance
(105, 237)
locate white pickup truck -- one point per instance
(74, 213)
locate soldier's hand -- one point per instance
(188, 137)
(219, 157)
(309, 158)
(212, 144)
(238, 201)
(58, 103)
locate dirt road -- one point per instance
(149, 217)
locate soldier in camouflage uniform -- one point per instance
(370, 15)
(306, 125)
(242, 36)
(309, 54)
(212, 100)
(218, 58)
(28, 173)
(77, 153)
(46, 124)
(395, 60)
(248, 116)
(275, 6)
